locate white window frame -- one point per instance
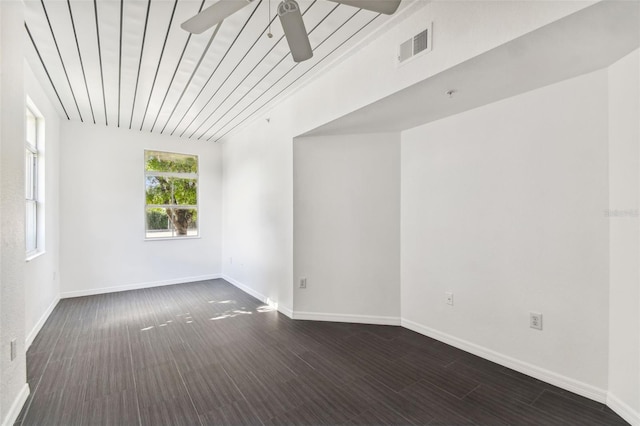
(196, 207)
(37, 181)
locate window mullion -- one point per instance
(173, 206)
(178, 175)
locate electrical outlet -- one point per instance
(231, 261)
(303, 283)
(535, 320)
(449, 298)
(14, 349)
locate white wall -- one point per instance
(13, 387)
(258, 160)
(102, 213)
(42, 288)
(504, 206)
(624, 238)
(258, 218)
(347, 227)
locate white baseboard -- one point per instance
(286, 311)
(261, 297)
(115, 289)
(16, 407)
(357, 319)
(360, 319)
(623, 410)
(36, 328)
(564, 382)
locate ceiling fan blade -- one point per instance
(294, 30)
(213, 15)
(387, 7)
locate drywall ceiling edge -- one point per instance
(585, 41)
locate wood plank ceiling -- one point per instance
(127, 63)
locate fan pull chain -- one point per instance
(269, 34)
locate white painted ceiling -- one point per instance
(127, 63)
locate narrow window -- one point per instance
(34, 191)
(171, 191)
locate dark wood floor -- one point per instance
(207, 353)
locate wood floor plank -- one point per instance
(382, 396)
(340, 397)
(207, 353)
(115, 409)
(456, 385)
(506, 384)
(211, 388)
(312, 413)
(510, 409)
(336, 369)
(59, 407)
(591, 404)
(447, 408)
(267, 399)
(36, 363)
(109, 373)
(396, 375)
(379, 416)
(562, 406)
(237, 413)
(55, 376)
(157, 384)
(176, 411)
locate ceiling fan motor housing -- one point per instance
(294, 30)
(288, 6)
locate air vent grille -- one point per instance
(419, 43)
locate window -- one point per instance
(171, 189)
(34, 185)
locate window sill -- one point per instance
(195, 237)
(34, 255)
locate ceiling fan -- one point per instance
(290, 18)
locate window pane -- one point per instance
(185, 191)
(31, 238)
(31, 124)
(158, 224)
(184, 221)
(156, 161)
(173, 222)
(175, 191)
(29, 175)
(158, 190)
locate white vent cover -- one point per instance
(417, 44)
(406, 50)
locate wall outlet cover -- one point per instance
(535, 320)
